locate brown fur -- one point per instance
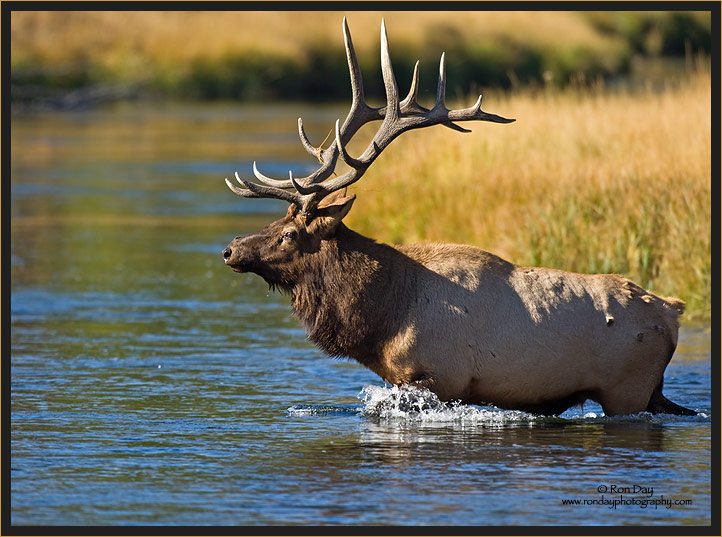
(466, 323)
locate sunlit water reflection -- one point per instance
(150, 385)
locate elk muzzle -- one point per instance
(238, 255)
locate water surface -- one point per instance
(151, 385)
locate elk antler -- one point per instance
(398, 117)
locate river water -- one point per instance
(152, 385)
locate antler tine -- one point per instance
(360, 112)
(476, 113)
(268, 181)
(440, 103)
(254, 190)
(392, 90)
(357, 88)
(305, 142)
(348, 159)
(410, 105)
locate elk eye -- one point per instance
(289, 235)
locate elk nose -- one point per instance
(227, 252)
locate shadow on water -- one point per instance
(150, 385)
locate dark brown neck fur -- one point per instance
(351, 295)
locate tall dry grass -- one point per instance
(586, 181)
(166, 36)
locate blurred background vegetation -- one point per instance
(265, 55)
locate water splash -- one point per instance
(410, 403)
(322, 410)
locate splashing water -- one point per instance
(416, 405)
(411, 403)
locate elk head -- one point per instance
(318, 201)
(275, 252)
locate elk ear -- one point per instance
(292, 210)
(329, 214)
(332, 198)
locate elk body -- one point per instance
(463, 322)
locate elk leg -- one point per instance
(659, 404)
(423, 381)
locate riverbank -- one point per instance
(64, 56)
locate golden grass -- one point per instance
(133, 41)
(184, 34)
(586, 181)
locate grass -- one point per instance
(183, 36)
(585, 181)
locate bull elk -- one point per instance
(460, 321)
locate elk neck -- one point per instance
(351, 295)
